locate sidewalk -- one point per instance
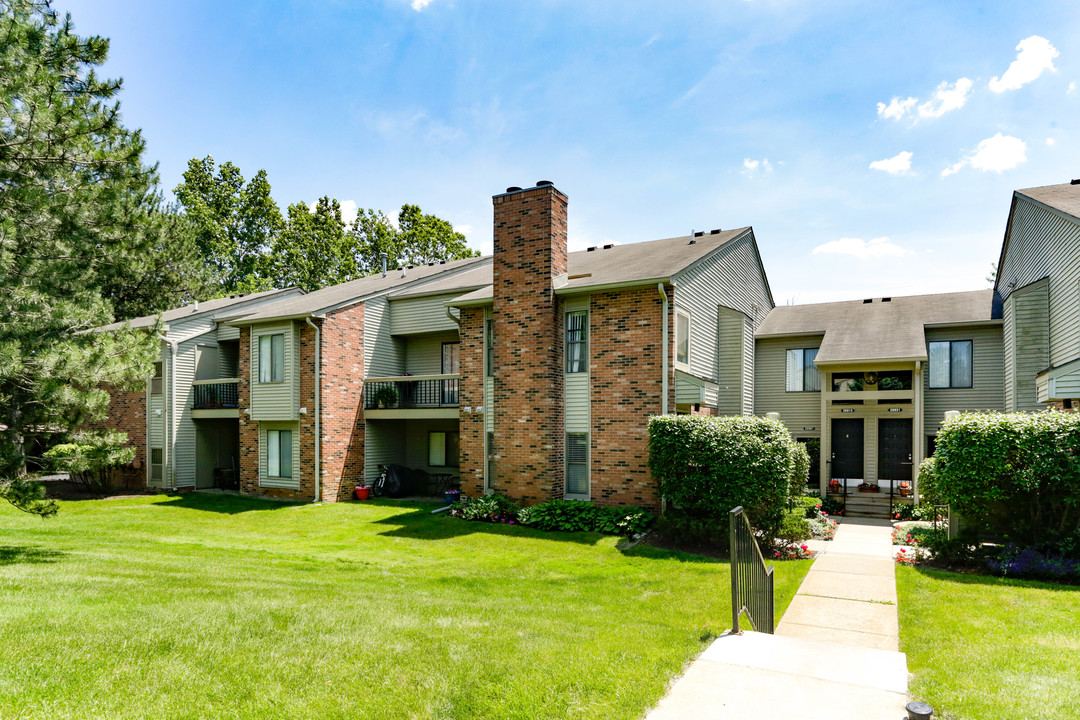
(834, 653)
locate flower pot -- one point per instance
(904, 492)
(451, 496)
(869, 489)
(362, 492)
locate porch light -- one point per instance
(467, 409)
(479, 408)
(303, 411)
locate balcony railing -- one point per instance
(215, 394)
(411, 391)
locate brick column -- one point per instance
(471, 394)
(530, 250)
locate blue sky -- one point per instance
(872, 145)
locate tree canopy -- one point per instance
(241, 234)
(80, 221)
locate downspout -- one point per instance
(664, 354)
(318, 409)
(170, 434)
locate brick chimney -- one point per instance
(530, 250)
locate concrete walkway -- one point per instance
(834, 654)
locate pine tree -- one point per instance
(77, 226)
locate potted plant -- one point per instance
(834, 486)
(868, 487)
(386, 396)
(905, 488)
(362, 492)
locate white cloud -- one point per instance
(946, 98)
(1036, 55)
(1072, 87)
(994, 154)
(862, 249)
(899, 164)
(751, 166)
(897, 108)
(463, 229)
(419, 5)
(1050, 142)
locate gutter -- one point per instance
(318, 408)
(170, 433)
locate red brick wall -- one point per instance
(707, 410)
(342, 426)
(127, 413)
(625, 389)
(530, 249)
(471, 394)
(249, 429)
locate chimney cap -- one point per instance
(543, 183)
(512, 188)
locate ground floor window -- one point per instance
(279, 446)
(443, 449)
(577, 464)
(489, 453)
(157, 463)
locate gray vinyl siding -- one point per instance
(576, 406)
(228, 360)
(688, 389)
(797, 409)
(731, 361)
(987, 390)
(384, 443)
(421, 315)
(1026, 345)
(264, 479)
(489, 404)
(384, 355)
(157, 421)
(276, 401)
(416, 443)
(228, 332)
(726, 282)
(184, 426)
(1046, 244)
(423, 354)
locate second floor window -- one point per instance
(802, 374)
(272, 358)
(576, 341)
(682, 338)
(950, 364)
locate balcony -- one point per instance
(411, 392)
(215, 398)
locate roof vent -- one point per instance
(591, 248)
(512, 188)
(543, 183)
(888, 299)
(692, 242)
(699, 233)
(1075, 181)
(868, 300)
(715, 232)
(609, 246)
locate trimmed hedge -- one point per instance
(707, 466)
(582, 516)
(1017, 474)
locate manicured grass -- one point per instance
(201, 606)
(985, 648)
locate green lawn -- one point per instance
(985, 648)
(200, 606)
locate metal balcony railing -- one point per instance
(215, 394)
(411, 391)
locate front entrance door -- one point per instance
(847, 448)
(894, 449)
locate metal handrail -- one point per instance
(751, 582)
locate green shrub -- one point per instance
(582, 516)
(709, 465)
(832, 506)
(689, 530)
(1015, 474)
(928, 481)
(793, 528)
(800, 470)
(92, 458)
(487, 508)
(906, 511)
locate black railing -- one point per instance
(409, 394)
(215, 395)
(751, 581)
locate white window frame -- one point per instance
(584, 463)
(795, 377)
(271, 367)
(949, 365)
(583, 343)
(680, 313)
(276, 439)
(489, 346)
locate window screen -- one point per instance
(577, 464)
(576, 341)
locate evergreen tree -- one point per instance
(76, 218)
